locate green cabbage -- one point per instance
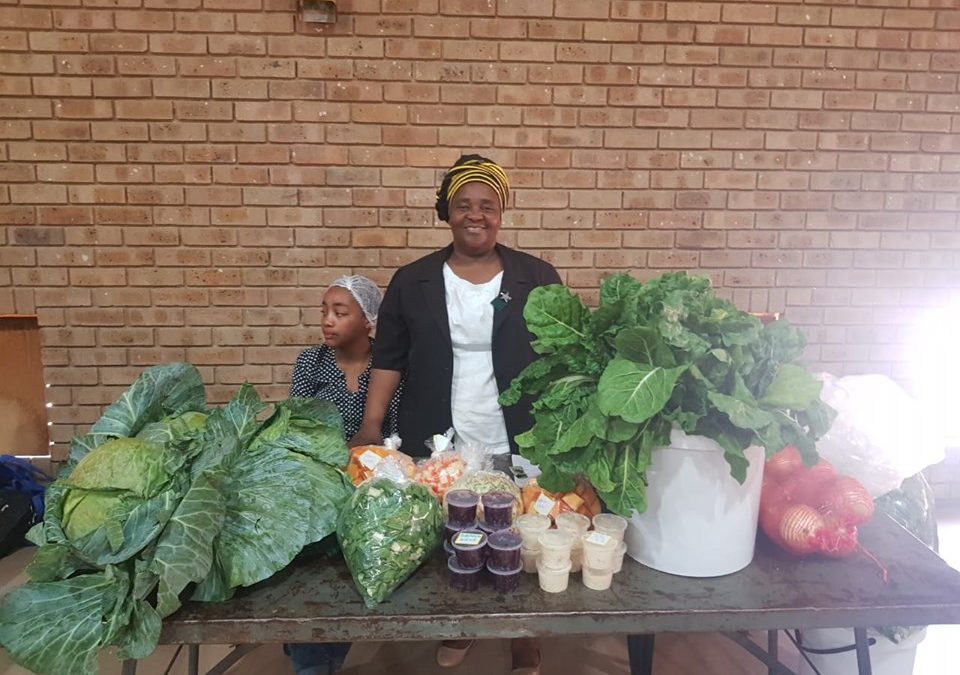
(163, 500)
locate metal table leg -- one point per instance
(193, 660)
(640, 650)
(863, 651)
(129, 667)
(226, 663)
(773, 648)
(774, 667)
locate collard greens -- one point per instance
(387, 530)
(611, 383)
(163, 496)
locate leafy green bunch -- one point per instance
(164, 496)
(387, 530)
(610, 384)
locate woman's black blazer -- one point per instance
(413, 336)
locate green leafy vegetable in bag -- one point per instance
(387, 530)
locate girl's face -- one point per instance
(343, 320)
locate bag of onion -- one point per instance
(811, 510)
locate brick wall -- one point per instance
(179, 179)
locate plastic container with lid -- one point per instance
(463, 578)
(531, 526)
(618, 558)
(597, 580)
(450, 530)
(530, 557)
(599, 550)
(505, 581)
(498, 509)
(553, 579)
(462, 507)
(610, 524)
(489, 529)
(555, 547)
(503, 549)
(576, 557)
(470, 547)
(574, 523)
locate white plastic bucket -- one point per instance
(699, 522)
(886, 658)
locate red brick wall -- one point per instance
(179, 179)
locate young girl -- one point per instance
(339, 371)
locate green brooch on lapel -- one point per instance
(500, 301)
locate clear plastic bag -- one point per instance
(911, 505)
(881, 436)
(480, 478)
(365, 458)
(390, 526)
(444, 466)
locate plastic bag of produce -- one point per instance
(444, 466)
(365, 458)
(912, 507)
(582, 499)
(481, 479)
(881, 435)
(387, 529)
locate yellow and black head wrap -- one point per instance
(471, 169)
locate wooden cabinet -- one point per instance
(23, 411)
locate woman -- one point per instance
(451, 324)
(339, 371)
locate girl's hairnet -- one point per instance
(364, 291)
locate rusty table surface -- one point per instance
(316, 600)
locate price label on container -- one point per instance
(370, 459)
(598, 538)
(468, 539)
(544, 505)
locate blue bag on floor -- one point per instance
(22, 487)
(19, 475)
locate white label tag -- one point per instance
(370, 459)
(468, 538)
(544, 505)
(598, 538)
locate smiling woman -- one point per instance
(452, 324)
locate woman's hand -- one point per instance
(367, 435)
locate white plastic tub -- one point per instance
(886, 658)
(699, 521)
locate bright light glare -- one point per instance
(936, 363)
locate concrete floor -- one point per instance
(676, 654)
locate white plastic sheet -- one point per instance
(882, 435)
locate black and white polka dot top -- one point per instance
(317, 375)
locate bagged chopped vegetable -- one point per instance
(912, 507)
(444, 466)
(481, 479)
(388, 528)
(582, 499)
(365, 458)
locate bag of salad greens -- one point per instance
(389, 527)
